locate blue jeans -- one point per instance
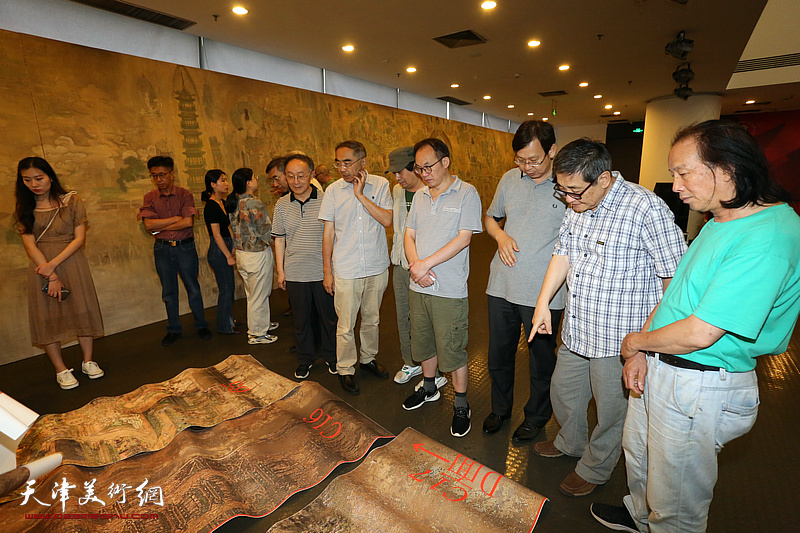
(672, 437)
(172, 261)
(226, 284)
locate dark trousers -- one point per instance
(226, 283)
(306, 298)
(505, 319)
(171, 262)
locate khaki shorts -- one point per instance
(439, 328)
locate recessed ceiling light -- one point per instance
(563, 67)
(545, 119)
(454, 86)
(239, 10)
(616, 112)
(530, 114)
(750, 102)
(583, 84)
(489, 5)
(598, 96)
(534, 43)
(411, 69)
(609, 106)
(487, 97)
(511, 106)
(348, 48)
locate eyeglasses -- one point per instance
(160, 175)
(345, 163)
(528, 162)
(297, 177)
(425, 169)
(575, 195)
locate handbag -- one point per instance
(65, 292)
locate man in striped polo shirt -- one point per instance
(298, 258)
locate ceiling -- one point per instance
(617, 46)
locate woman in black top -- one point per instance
(220, 247)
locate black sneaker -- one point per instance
(613, 517)
(332, 368)
(170, 338)
(461, 424)
(419, 397)
(302, 371)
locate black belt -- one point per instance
(175, 243)
(679, 362)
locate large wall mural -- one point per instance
(97, 117)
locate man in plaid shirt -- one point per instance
(617, 249)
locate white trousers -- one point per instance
(256, 271)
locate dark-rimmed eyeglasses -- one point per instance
(574, 195)
(426, 169)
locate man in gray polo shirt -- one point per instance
(356, 210)
(525, 199)
(443, 217)
(298, 260)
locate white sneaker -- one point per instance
(273, 326)
(406, 373)
(261, 339)
(92, 369)
(66, 380)
(440, 381)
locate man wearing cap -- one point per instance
(356, 210)
(525, 242)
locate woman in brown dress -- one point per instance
(53, 223)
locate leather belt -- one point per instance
(175, 243)
(679, 362)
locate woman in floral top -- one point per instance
(250, 229)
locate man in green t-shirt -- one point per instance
(735, 296)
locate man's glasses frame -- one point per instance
(345, 163)
(425, 170)
(529, 162)
(575, 195)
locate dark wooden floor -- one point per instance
(755, 491)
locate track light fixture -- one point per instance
(683, 74)
(680, 46)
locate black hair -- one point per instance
(300, 157)
(358, 149)
(161, 161)
(26, 200)
(586, 157)
(212, 176)
(534, 129)
(239, 181)
(727, 146)
(279, 162)
(440, 149)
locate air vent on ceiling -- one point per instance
(744, 111)
(460, 39)
(764, 63)
(618, 121)
(551, 94)
(141, 13)
(453, 100)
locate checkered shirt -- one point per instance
(618, 255)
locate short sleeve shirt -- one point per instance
(215, 214)
(618, 255)
(742, 276)
(178, 202)
(438, 222)
(298, 222)
(250, 224)
(359, 247)
(533, 217)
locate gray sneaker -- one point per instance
(66, 380)
(261, 339)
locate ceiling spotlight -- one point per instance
(534, 43)
(597, 96)
(454, 86)
(616, 112)
(487, 97)
(511, 106)
(683, 74)
(563, 67)
(583, 84)
(489, 5)
(684, 91)
(239, 10)
(348, 48)
(411, 69)
(680, 46)
(545, 119)
(750, 102)
(530, 114)
(608, 106)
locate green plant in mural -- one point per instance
(133, 170)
